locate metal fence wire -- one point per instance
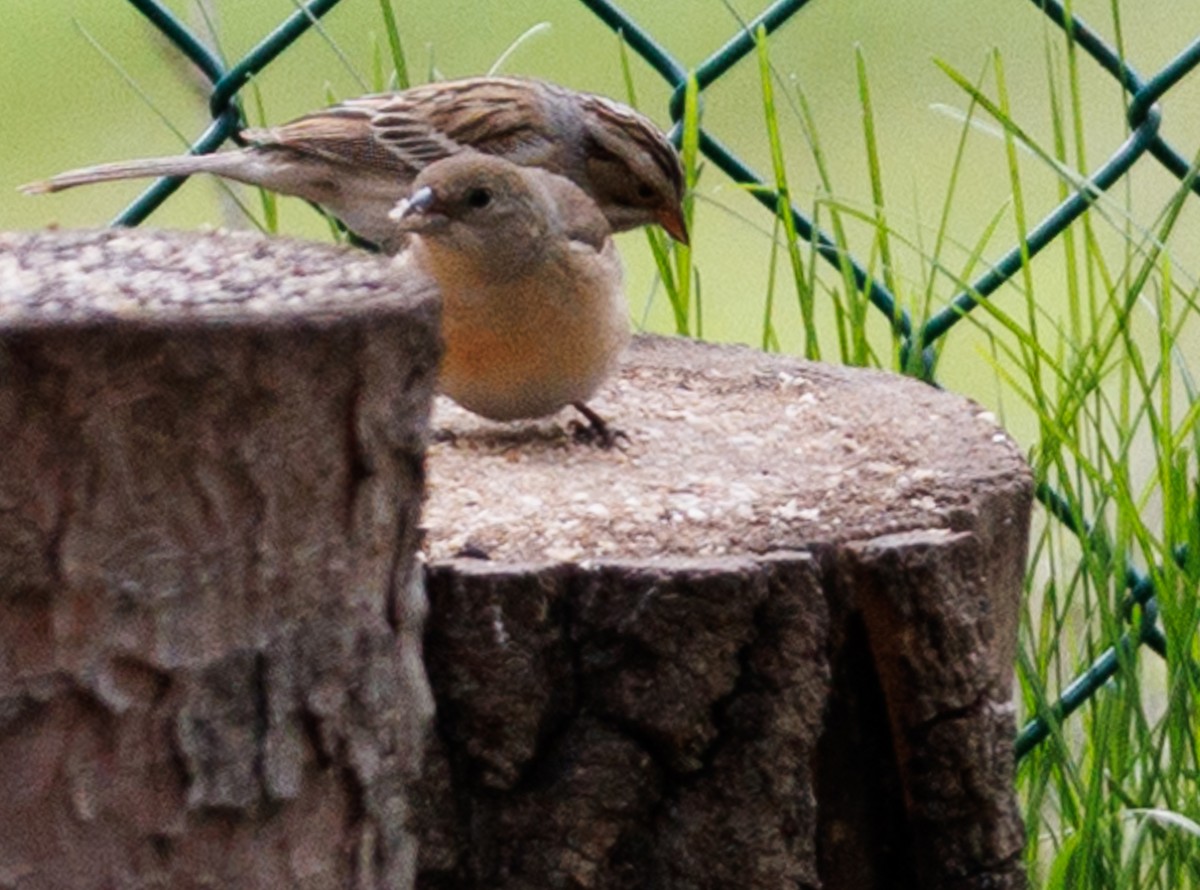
(1145, 139)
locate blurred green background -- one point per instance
(68, 101)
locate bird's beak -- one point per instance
(409, 211)
(671, 219)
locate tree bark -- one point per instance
(768, 642)
(209, 621)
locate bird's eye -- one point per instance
(645, 191)
(479, 198)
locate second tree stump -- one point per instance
(769, 642)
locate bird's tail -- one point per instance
(222, 164)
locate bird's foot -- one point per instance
(596, 431)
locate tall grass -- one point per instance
(1091, 365)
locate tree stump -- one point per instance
(209, 632)
(766, 642)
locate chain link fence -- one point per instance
(1145, 141)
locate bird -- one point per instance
(358, 158)
(534, 317)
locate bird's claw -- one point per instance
(596, 431)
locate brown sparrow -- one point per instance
(533, 315)
(358, 158)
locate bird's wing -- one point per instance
(408, 126)
(494, 115)
(401, 133)
(384, 133)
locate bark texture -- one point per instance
(209, 618)
(767, 643)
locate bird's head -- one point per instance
(482, 211)
(634, 170)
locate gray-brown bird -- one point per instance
(534, 317)
(359, 158)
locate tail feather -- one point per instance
(222, 164)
